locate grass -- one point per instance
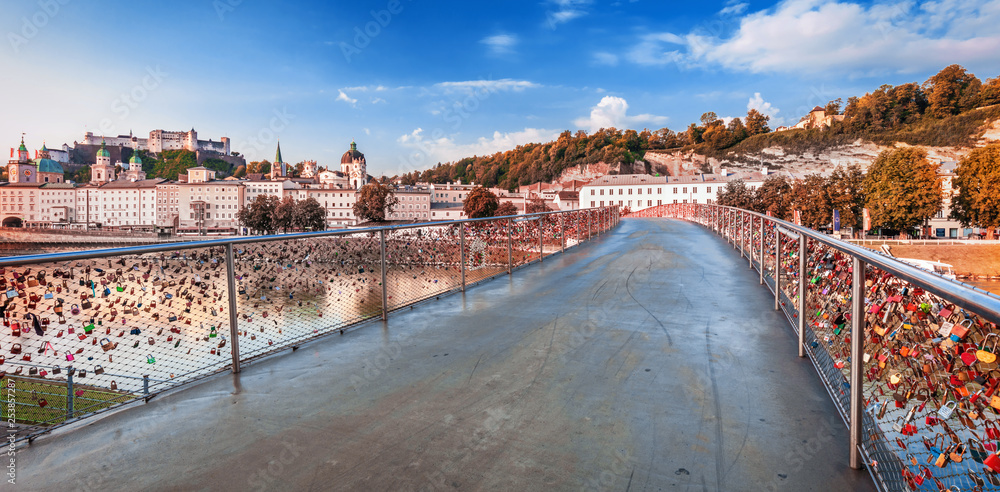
(29, 391)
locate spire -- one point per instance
(22, 147)
(354, 146)
(277, 155)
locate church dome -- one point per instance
(103, 151)
(49, 166)
(135, 159)
(351, 155)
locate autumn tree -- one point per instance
(736, 194)
(505, 209)
(240, 172)
(774, 197)
(951, 91)
(480, 202)
(376, 201)
(537, 205)
(756, 123)
(977, 178)
(258, 215)
(833, 107)
(902, 189)
(309, 215)
(284, 214)
(846, 193)
(809, 196)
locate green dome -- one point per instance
(135, 159)
(103, 151)
(49, 166)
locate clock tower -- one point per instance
(20, 169)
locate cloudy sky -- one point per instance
(416, 83)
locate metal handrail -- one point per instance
(984, 303)
(159, 248)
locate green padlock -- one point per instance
(150, 359)
(213, 334)
(89, 328)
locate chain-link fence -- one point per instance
(85, 332)
(910, 354)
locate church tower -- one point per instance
(278, 167)
(353, 165)
(20, 169)
(102, 172)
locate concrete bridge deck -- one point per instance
(647, 360)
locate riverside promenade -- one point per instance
(649, 359)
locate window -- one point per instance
(675, 191)
(602, 203)
(708, 189)
(685, 191)
(649, 203)
(602, 192)
(611, 191)
(639, 191)
(659, 202)
(592, 192)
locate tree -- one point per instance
(736, 194)
(902, 189)
(774, 197)
(480, 202)
(284, 214)
(833, 107)
(375, 202)
(809, 196)
(846, 193)
(309, 215)
(240, 171)
(536, 205)
(951, 91)
(977, 178)
(258, 215)
(738, 131)
(505, 209)
(756, 123)
(708, 118)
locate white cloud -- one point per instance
(500, 44)
(763, 107)
(612, 112)
(734, 8)
(839, 36)
(367, 131)
(565, 11)
(347, 99)
(605, 58)
(445, 148)
(377, 100)
(487, 85)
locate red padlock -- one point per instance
(993, 461)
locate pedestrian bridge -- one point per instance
(650, 358)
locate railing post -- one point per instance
(777, 268)
(541, 252)
(385, 293)
(69, 393)
(510, 246)
(562, 233)
(857, 360)
(739, 233)
(763, 246)
(589, 234)
(145, 384)
(461, 246)
(750, 241)
(802, 295)
(234, 331)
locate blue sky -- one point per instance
(416, 83)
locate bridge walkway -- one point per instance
(647, 360)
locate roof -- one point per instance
(103, 151)
(351, 155)
(49, 166)
(124, 183)
(817, 108)
(277, 155)
(627, 179)
(569, 195)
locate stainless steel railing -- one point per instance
(87, 332)
(906, 355)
